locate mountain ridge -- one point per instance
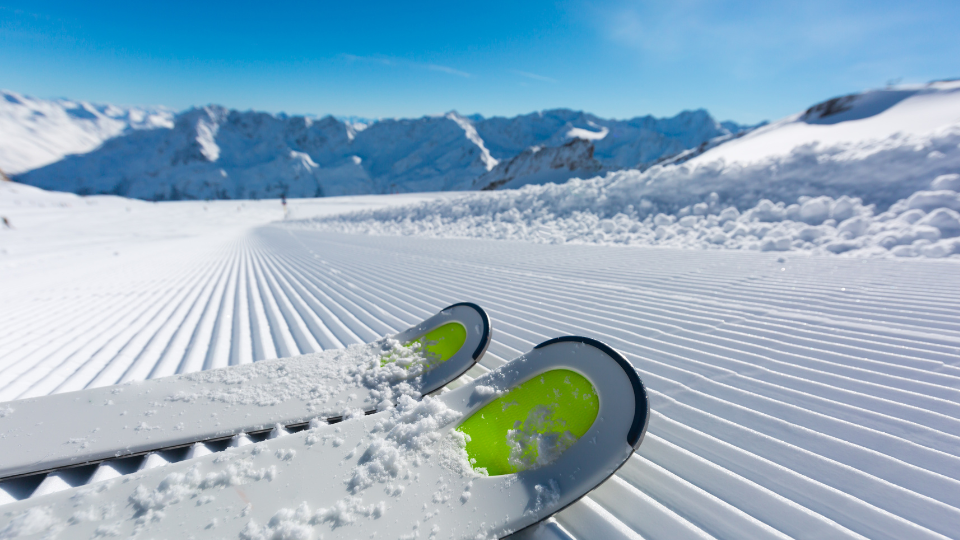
(216, 152)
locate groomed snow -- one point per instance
(792, 396)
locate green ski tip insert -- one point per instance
(532, 424)
(444, 342)
(438, 345)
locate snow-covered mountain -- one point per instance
(36, 132)
(213, 152)
(541, 165)
(218, 153)
(618, 144)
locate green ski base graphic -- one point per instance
(436, 346)
(532, 424)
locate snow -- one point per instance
(36, 132)
(926, 224)
(909, 112)
(315, 380)
(32, 522)
(533, 443)
(541, 165)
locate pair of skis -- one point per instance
(348, 443)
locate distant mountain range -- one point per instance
(218, 153)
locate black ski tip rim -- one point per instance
(485, 336)
(641, 413)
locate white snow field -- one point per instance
(803, 396)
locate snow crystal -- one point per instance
(172, 489)
(398, 442)
(348, 510)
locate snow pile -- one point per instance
(37, 132)
(875, 175)
(401, 441)
(926, 224)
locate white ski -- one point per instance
(233, 405)
(456, 465)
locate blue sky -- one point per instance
(741, 60)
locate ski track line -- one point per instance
(792, 396)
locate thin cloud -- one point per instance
(533, 76)
(367, 59)
(386, 61)
(445, 69)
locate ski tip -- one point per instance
(485, 332)
(641, 414)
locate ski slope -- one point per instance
(791, 396)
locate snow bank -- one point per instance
(608, 211)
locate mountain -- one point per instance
(37, 132)
(214, 152)
(218, 154)
(618, 144)
(541, 165)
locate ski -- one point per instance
(492, 457)
(69, 434)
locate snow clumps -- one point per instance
(401, 440)
(377, 372)
(597, 211)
